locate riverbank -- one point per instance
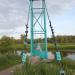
(9, 60)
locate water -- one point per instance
(38, 47)
(71, 56)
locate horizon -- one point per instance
(35, 38)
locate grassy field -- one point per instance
(52, 68)
(62, 46)
(51, 47)
(69, 63)
(7, 61)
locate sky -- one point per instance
(13, 17)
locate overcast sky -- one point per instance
(13, 16)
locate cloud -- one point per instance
(59, 6)
(13, 13)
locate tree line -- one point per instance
(9, 44)
(63, 39)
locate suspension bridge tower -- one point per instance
(38, 28)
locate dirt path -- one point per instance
(9, 71)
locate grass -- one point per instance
(41, 69)
(50, 47)
(7, 61)
(44, 69)
(62, 46)
(69, 63)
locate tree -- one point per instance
(6, 44)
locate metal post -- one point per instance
(34, 21)
(62, 72)
(31, 23)
(45, 35)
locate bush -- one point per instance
(8, 61)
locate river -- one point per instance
(71, 56)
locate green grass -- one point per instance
(69, 63)
(7, 61)
(62, 46)
(52, 68)
(50, 47)
(41, 69)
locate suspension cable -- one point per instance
(26, 32)
(27, 24)
(53, 35)
(52, 30)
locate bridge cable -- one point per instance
(53, 35)
(26, 32)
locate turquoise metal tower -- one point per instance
(38, 27)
